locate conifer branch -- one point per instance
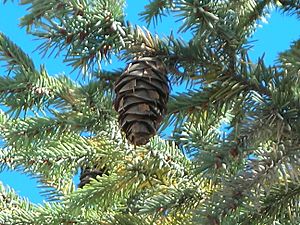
(290, 57)
(89, 32)
(15, 58)
(290, 6)
(238, 189)
(11, 204)
(207, 173)
(155, 10)
(133, 176)
(253, 15)
(281, 204)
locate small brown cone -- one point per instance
(142, 93)
(90, 173)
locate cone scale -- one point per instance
(142, 93)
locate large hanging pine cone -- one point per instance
(142, 93)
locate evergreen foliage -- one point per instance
(53, 127)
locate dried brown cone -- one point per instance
(142, 93)
(90, 173)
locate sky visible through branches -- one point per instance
(274, 36)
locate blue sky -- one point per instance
(272, 38)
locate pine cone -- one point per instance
(87, 174)
(142, 93)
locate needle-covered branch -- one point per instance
(155, 10)
(290, 6)
(14, 57)
(234, 150)
(11, 204)
(88, 30)
(282, 204)
(142, 168)
(247, 187)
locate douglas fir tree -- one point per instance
(107, 128)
